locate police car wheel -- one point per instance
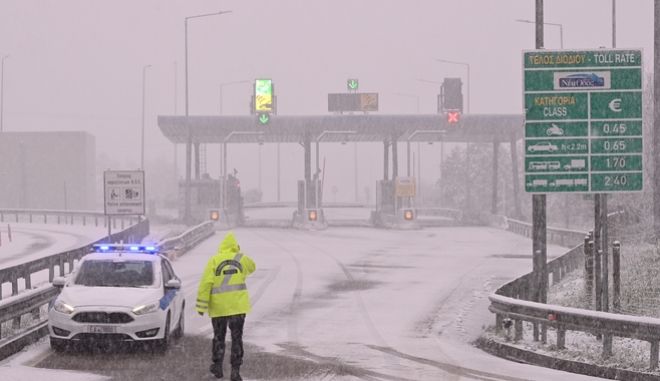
(180, 328)
(162, 344)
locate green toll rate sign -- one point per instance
(583, 121)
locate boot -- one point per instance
(216, 369)
(235, 376)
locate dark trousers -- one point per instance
(235, 323)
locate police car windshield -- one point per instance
(108, 273)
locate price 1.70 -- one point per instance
(616, 163)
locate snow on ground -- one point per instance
(363, 304)
(34, 241)
(639, 278)
(20, 367)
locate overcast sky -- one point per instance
(77, 65)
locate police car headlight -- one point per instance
(62, 307)
(146, 308)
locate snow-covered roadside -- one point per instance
(20, 367)
(639, 285)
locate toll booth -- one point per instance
(206, 194)
(310, 207)
(395, 203)
(233, 203)
(385, 200)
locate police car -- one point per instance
(126, 293)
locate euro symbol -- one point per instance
(615, 105)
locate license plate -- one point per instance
(101, 329)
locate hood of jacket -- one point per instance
(229, 245)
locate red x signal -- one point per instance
(453, 116)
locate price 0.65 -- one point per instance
(617, 145)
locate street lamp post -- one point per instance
(2, 88)
(187, 216)
(467, 65)
(144, 74)
(442, 142)
(318, 165)
(561, 29)
(221, 86)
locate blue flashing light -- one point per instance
(121, 248)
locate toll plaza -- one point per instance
(395, 201)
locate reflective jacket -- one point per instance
(222, 289)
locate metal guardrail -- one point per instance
(509, 302)
(65, 217)
(454, 214)
(176, 246)
(557, 236)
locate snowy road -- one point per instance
(345, 304)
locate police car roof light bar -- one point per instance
(119, 248)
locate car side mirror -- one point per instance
(173, 284)
(59, 282)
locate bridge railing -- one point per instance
(511, 301)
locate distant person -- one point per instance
(223, 295)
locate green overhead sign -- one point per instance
(583, 121)
(263, 118)
(352, 84)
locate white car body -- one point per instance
(113, 312)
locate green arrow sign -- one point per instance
(352, 84)
(264, 118)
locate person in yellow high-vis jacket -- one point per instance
(223, 295)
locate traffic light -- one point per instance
(312, 215)
(453, 117)
(451, 94)
(214, 215)
(408, 215)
